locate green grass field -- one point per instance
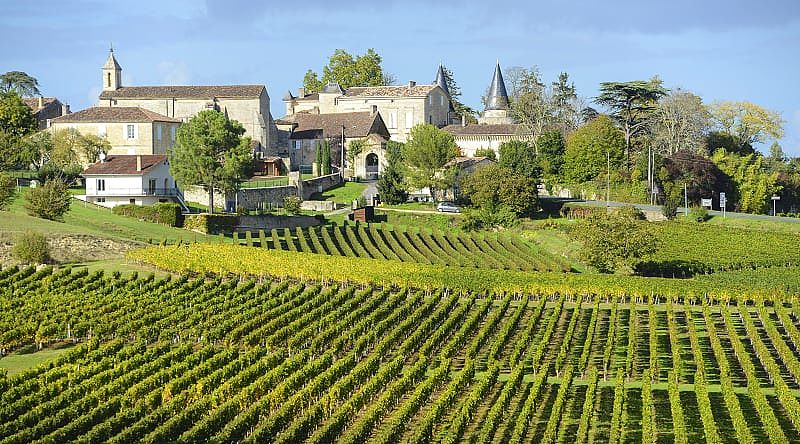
(342, 194)
(20, 362)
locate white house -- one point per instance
(139, 180)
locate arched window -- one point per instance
(109, 80)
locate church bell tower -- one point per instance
(112, 73)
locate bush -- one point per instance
(49, 201)
(571, 211)
(482, 219)
(7, 190)
(161, 213)
(615, 243)
(30, 247)
(292, 204)
(630, 212)
(211, 223)
(698, 214)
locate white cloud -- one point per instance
(174, 73)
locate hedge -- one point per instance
(211, 223)
(160, 213)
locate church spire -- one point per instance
(498, 97)
(112, 73)
(441, 81)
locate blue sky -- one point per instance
(720, 50)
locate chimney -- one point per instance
(463, 120)
(412, 83)
(64, 109)
(373, 111)
(301, 92)
(41, 102)
(138, 164)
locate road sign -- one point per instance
(776, 198)
(705, 203)
(722, 199)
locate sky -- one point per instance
(719, 50)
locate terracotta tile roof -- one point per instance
(357, 124)
(33, 102)
(122, 114)
(124, 165)
(465, 162)
(488, 130)
(389, 91)
(184, 92)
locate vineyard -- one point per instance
(211, 359)
(485, 250)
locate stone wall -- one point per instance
(319, 184)
(269, 222)
(260, 198)
(318, 205)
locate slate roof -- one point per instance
(111, 62)
(121, 114)
(184, 92)
(357, 124)
(123, 165)
(389, 91)
(497, 98)
(506, 129)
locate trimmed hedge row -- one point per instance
(211, 223)
(160, 213)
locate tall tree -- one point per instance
(631, 104)
(425, 154)
(346, 70)
(518, 156)
(455, 96)
(753, 183)
(679, 122)
(493, 187)
(210, 151)
(16, 119)
(589, 147)
(20, 83)
(390, 183)
(566, 106)
(747, 122)
(551, 154)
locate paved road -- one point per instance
(681, 210)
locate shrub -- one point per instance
(698, 214)
(292, 204)
(571, 211)
(161, 213)
(7, 190)
(211, 223)
(482, 219)
(30, 247)
(630, 212)
(615, 243)
(50, 201)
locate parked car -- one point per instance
(447, 207)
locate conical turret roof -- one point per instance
(441, 81)
(498, 97)
(111, 63)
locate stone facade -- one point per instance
(129, 131)
(247, 104)
(46, 108)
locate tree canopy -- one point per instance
(425, 154)
(615, 242)
(518, 156)
(390, 183)
(492, 187)
(679, 122)
(348, 70)
(455, 97)
(747, 122)
(210, 151)
(20, 83)
(585, 156)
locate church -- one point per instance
(247, 104)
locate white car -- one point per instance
(447, 207)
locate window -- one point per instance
(132, 201)
(298, 144)
(442, 97)
(100, 199)
(430, 120)
(131, 131)
(393, 120)
(430, 99)
(101, 130)
(151, 186)
(409, 119)
(158, 132)
(109, 80)
(172, 133)
(101, 184)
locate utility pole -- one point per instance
(649, 177)
(341, 165)
(685, 199)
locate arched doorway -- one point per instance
(371, 166)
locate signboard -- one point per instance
(705, 203)
(776, 198)
(722, 200)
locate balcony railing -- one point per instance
(135, 192)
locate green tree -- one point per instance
(425, 154)
(8, 188)
(35, 149)
(614, 242)
(566, 109)
(346, 70)
(390, 183)
(455, 97)
(326, 158)
(49, 201)
(493, 187)
(753, 183)
(210, 151)
(587, 148)
(318, 157)
(747, 122)
(680, 122)
(16, 121)
(518, 156)
(31, 247)
(550, 157)
(487, 153)
(19, 83)
(631, 104)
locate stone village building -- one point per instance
(46, 108)
(247, 104)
